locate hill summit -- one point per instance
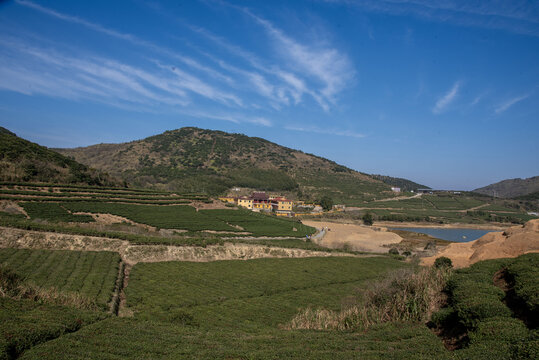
(197, 160)
(511, 188)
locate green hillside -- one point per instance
(403, 184)
(197, 160)
(511, 188)
(22, 160)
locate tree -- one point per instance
(367, 219)
(326, 202)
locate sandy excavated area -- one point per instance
(132, 254)
(512, 242)
(355, 237)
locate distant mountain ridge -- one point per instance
(198, 160)
(25, 161)
(511, 188)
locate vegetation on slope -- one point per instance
(197, 160)
(511, 188)
(22, 160)
(403, 184)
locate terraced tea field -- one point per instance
(89, 273)
(255, 291)
(58, 208)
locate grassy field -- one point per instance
(250, 292)
(237, 309)
(448, 208)
(133, 339)
(91, 274)
(53, 212)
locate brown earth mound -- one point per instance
(515, 241)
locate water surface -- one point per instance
(457, 235)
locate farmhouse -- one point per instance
(246, 202)
(260, 201)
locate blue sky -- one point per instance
(443, 93)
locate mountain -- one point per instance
(25, 161)
(403, 184)
(511, 188)
(197, 160)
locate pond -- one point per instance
(457, 235)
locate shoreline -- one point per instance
(390, 224)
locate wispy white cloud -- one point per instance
(230, 117)
(328, 131)
(317, 70)
(517, 16)
(31, 70)
(447, 99)
(510, 102)
(135, 40)
(325, 64)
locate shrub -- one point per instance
(368, 219)
(524, 272)
(393, 251)
(443, 261)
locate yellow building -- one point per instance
(283, 205)
(262, 205)
(228, 199)
(245, 202)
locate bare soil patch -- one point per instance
(355, 237)
(215, 205)
(12, 207)
(109, 219)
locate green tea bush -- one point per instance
(524, 273)
(88, 273)
(475, 302)
(496, 338)
(52, 212)
(25, 323)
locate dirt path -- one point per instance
(132, 254)
(355, 237)
(400, 198)
(123, 310)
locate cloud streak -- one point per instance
(316, 70)
(504, 106)
(328, 131)
(517, 16)
(447, 99)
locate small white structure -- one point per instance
(396, 189)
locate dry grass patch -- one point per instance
(404, 295)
